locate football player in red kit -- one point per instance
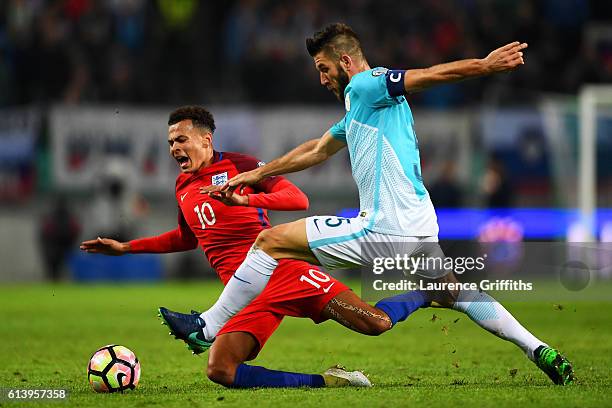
(225, 227)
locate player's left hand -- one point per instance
(226, 197)
(505, 58)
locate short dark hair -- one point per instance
(199, 116)
(335, 39)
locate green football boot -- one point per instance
(555, 365)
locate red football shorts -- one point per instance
(296, 289)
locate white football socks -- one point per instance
(248, 281)
(493, 317)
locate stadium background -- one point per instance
(87, 86)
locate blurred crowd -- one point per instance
(252, 51)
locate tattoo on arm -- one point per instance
(335, 304)
(339, 318)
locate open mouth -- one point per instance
(183, 161)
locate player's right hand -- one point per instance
(248, 178)
(106, 246)
(227, 197)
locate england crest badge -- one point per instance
(219, 179)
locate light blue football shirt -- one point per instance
(379, 130)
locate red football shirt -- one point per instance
(225, 233)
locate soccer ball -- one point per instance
(113, 368)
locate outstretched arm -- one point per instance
(177, 240)
(305, 155)
(276, 193)
(503, 59)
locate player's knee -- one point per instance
(221, 373)
(270, 240)
(264, 239)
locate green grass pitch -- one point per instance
(49, 332)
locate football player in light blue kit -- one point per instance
(394, 204)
